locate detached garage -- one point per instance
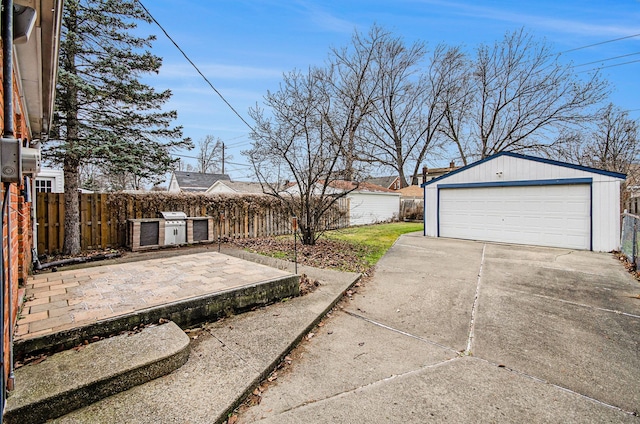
(369, 203)
(513, 198)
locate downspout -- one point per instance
(7, 94)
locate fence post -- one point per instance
(634, 253)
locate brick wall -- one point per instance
(20, 231)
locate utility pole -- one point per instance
(223, 157)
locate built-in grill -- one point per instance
(175, 227)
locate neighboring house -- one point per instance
(429, 174)
(368, 203)
(224, 186)
(513, 198)
(28, 111)
(392, 182)
(195, 182)
(49, 180)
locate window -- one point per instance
(44, 186)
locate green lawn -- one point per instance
(375, 239)
(351, 249)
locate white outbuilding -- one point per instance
(368, 203)
(513, 198)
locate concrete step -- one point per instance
(75, 378)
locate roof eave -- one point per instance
(37, 65)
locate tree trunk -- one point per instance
(71, 208)
(308, 236)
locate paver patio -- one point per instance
(57, 301)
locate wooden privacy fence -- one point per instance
(103, 216)
(411, 208)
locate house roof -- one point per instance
(363, 186)
(197, 181)
(532, 158)
(411, 191)
(385, 182)
(243, 187)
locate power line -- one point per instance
(238, 164)
(194, 65)
(607, 59)
(197, 158)
(242, 143)
(610, 66)
(600, 43)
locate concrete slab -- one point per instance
(75, 378)
(461, 390)
(553, 337)
(228, 359)
(425, 289)
(563, 324)
(589, 279)
(347, 353)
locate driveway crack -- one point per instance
(565, 389)
(474, 308)
(372, 384)
(404, 333)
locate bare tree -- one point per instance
(615, 144)
(404, 126)
(521, 98)
(611, 142)
(209, 154)
(350, 81)
(294, 154)
(458, 101)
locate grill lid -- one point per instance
(173, 215)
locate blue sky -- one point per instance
(244, 46)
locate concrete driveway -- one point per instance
(452, 331)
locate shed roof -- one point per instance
(531, 158)
(243, 187)
(382, 181)
(197, 181)
(359, 186)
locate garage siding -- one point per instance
(369, 208)
(506, 168)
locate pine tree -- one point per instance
(105, 115)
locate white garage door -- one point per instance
(548, 215)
